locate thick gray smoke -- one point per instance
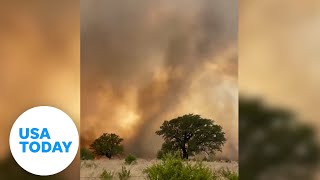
(143, 62)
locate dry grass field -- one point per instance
(91, 169)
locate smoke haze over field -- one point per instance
(145, 62)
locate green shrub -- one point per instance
(130, 159)
(106, 175)
(124, 174)
(173, 168)
(85, 154)
(170, 154)
(230, 175)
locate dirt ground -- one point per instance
(91, 169)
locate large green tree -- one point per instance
(191, 134)
(275, 144)
(107, 145)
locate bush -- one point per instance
(230, 175)
(173, 167)
(85, 154)
(106, 175)
(172, 154)
(130, 159)
(124, 174)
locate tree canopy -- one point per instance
(107, 145)
(191, 134)
(275, 144)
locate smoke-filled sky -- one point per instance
(143, 62)
(279, 53)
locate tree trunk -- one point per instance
(108, 155)
(184, 153)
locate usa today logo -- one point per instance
(44, 140)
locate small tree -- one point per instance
(191, 134)
(107, 145)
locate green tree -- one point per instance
(275, 144)
(191, 134)
(107, 145)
